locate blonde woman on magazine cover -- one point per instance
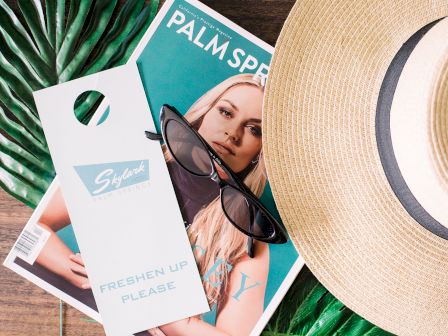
(228, 117)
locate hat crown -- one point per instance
(418, 130)
(438, 124)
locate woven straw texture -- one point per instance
(325, 170)
(439, 125)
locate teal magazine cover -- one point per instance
(202, 66)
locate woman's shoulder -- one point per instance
(258, 265)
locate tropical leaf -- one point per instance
(43, 43)
(309, 309)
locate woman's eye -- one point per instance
(255, 131)
(225, 113)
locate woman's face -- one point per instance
(233, 126)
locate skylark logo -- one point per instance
(107, 177)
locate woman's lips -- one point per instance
(222, 148)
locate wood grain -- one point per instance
(25, 309)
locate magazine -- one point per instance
(207, 68)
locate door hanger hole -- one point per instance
(91, 108)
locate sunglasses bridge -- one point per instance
(215, 177)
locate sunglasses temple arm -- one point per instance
(250, 246)
(153, 136)
(159, 137)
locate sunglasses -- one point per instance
(195, 155)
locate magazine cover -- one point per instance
(212, 72)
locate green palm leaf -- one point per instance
(308, 309)
(43, 46)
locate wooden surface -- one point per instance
(25, 309)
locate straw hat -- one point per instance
(355, 135)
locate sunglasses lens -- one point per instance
(187, 149)
(246, 214)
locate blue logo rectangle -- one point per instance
(107, 177)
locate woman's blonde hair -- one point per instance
(217, 238)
